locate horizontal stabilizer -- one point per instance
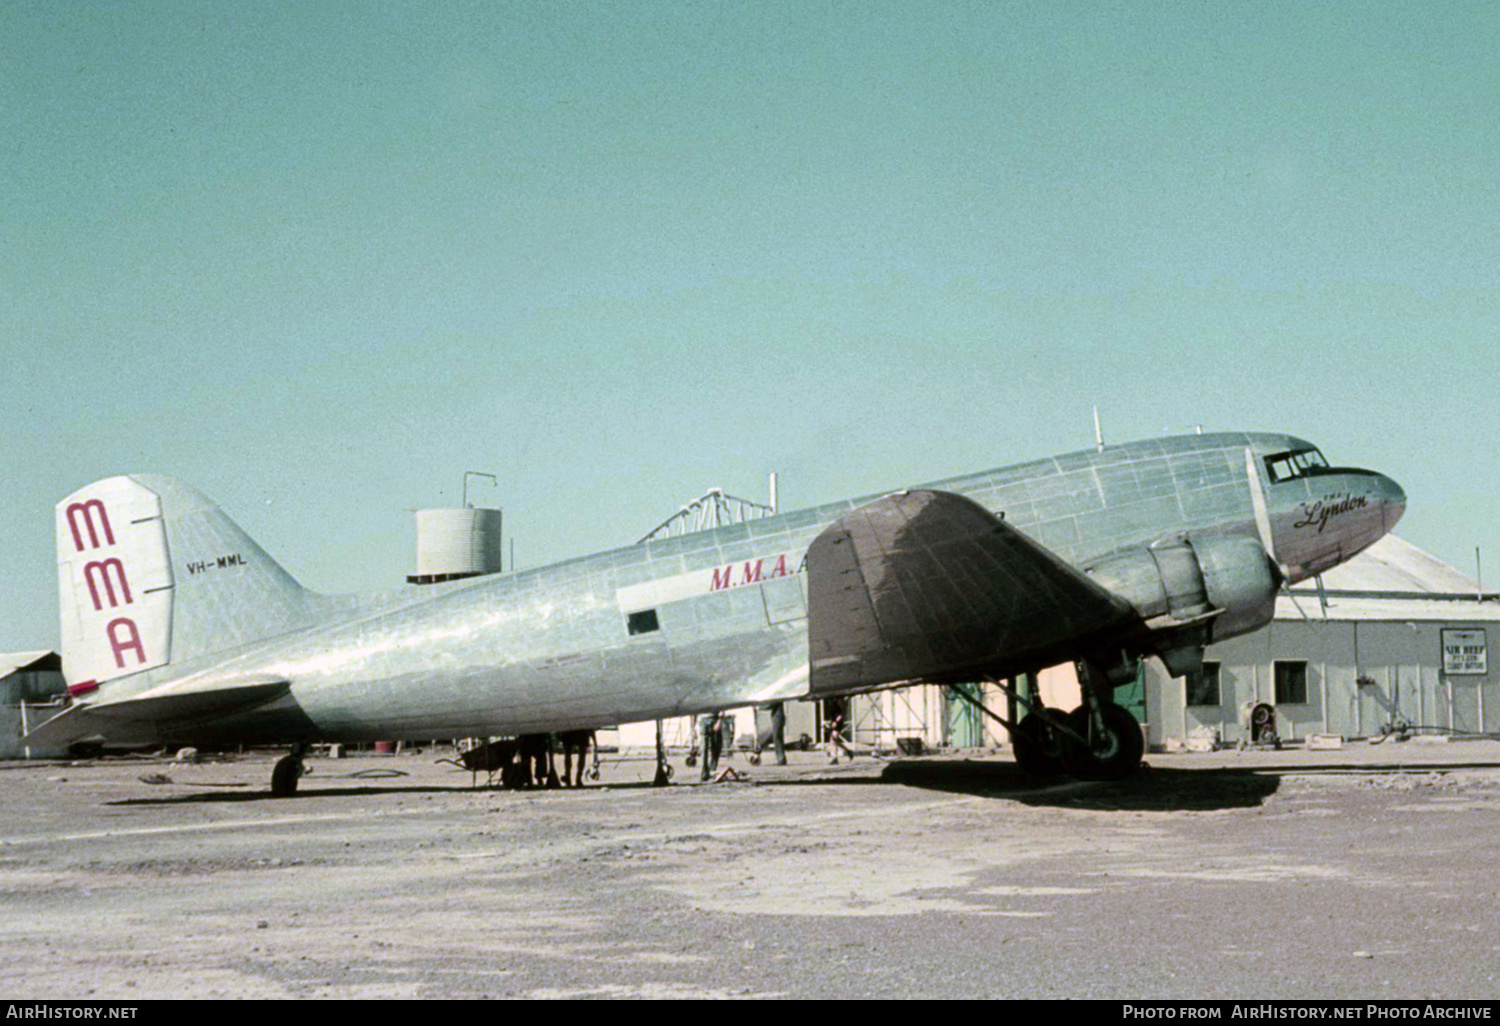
(927, 584)
(171, 703)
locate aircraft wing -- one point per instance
(924, 585)
(177, 702)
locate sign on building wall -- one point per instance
(1463, 653)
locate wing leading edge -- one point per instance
(924, 585)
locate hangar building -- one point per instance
(1396, 636)
(31, 691)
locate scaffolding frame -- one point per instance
(714, 508)
(876, 726)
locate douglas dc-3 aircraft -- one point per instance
(178, 628)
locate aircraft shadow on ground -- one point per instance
(1152, 790)
(263, 794)
(1155, 790)
(305, 793)
(1397, 767)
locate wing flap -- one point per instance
(928, 584)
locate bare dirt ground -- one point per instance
(1369, 872)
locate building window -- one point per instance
(643, 622)
(1291, 682)
(1203, 686)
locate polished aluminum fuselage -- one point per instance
(717, 619)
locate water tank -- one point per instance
(456, 543)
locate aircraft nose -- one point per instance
(1392, 499)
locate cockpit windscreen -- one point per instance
(1288, 466)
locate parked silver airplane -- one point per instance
(178, 628)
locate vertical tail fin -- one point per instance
(150, 572)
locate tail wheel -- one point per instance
(285, 774)
(1038, 748)
(1110, 755)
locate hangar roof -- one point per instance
(10, 662)
(1396, 566)
(1392, 580)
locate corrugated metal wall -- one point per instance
(1361, 675)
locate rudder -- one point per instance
(150, 572)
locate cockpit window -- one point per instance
(1289, 466)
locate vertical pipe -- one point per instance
(1323, 692)
(1421, 696)
(1359, 699)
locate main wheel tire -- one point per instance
(1115, 754)
(1037, 747)
(284, 776)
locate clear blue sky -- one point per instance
(318, 259)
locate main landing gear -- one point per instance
(1103, 741)
(1107, 742)
(1038, 743)
(1097, 741)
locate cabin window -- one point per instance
(1291, 681)
(1288, 466)
(643, 622)
(1203, 686)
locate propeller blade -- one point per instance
(1268, 537)
(1258, 505)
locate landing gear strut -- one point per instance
(1111, 747)
(663, 768)
(1098, 741)
(287, 771)
(1104, 740)
(1038, 740)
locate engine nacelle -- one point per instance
(1180, 583)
